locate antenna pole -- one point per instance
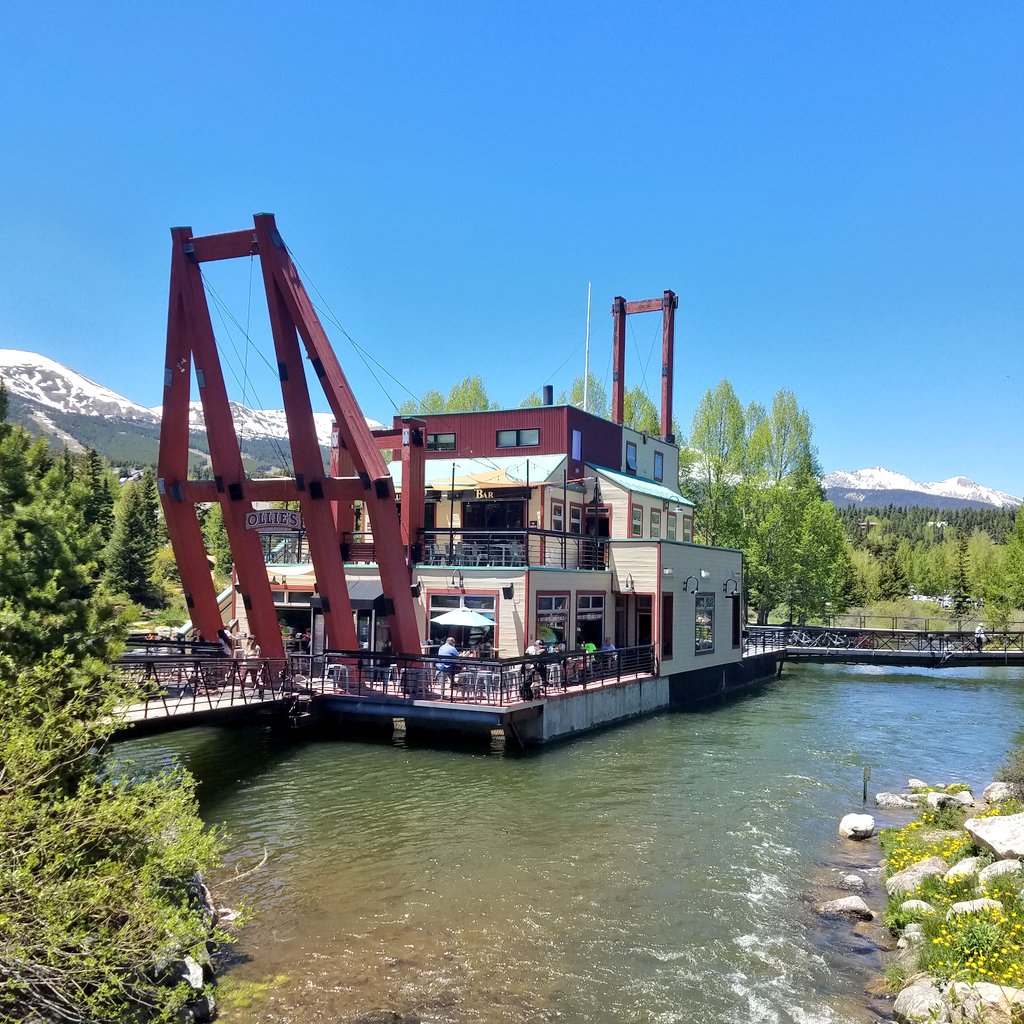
(586, 353)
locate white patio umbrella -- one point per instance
(462, 617)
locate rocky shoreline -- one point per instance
(953, 879)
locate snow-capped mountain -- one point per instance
(47, 393)
(879, 486)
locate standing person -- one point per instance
(540, 668)
(251, 665)
(447, 668)
(979, 637)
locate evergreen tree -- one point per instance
(961, 588)
(134, 542)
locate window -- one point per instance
(666, 626)
(631, 456)
(659, 466)
(670, 526)
(440, 442)
(589, 619)
(638, 521)
(704, 624)
(518, 438)
(575, 518)
(577, 445)
(688, 528)
(552, 618)
(466, 637)
(656, 523)
(557, 517)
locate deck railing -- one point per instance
(487, 681)
(940, 642)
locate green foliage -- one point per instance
(640, 413)
(597, 396)
(134, 542)
(95, 863)
(1012, 768)
(961, 588)
(469, 395)
(244, 995)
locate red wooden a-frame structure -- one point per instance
(325, 501)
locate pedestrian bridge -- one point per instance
(898, 647)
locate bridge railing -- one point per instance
(486, 681)
(940, 641)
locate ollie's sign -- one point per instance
(273, 519)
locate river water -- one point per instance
(662, 871)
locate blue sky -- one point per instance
(834, 190)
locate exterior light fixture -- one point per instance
(416, 588)
(457, 580)
(628, 585)
(735, 585)
(686, 585)
(507, 591)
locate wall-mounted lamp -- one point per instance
(686, 585)
(416, 588)
(457, 580)
(735, 585)
(628, 585)
(507, 591)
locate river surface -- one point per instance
(662, 871)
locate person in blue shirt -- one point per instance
(447, 668)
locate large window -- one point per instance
(518, 438)
(557, 516)
(577, 445)
(589, 620)
(631, 456)
(670, 526)
(466, 637)
(656, 523)
(552, 618)
(688, 528)
(575, 518)
(440, 442)
(704, 624)
(659, 466)
(637, 528)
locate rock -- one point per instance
(894, 802)
(857, 826)
(198, 1012)
(917, 798)
(917, 907)
(910, 878)
(913, 935)
(1003, 836)
(225, 915)
(965, 798)
(848, 906)
(939, 799)
(983, 1001)
(973, 907)
(854, 883)
(996, 792)
(1001, 867)
(916, 784)
(962, 868)
(920, 1002)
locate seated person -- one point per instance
(447, 650)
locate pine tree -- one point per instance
(134, 542)
(961, 588)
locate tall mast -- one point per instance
(586, 353)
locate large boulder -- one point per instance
(916, 784)
(1001, 867)
(967, 866)
(920, 1002)
(983, 1001)
(965, 798)
(852, 883)
(973, 907)
(937, 800)
(997, 792)
(910, 878)
(1002, 836)
(848, 906)
(894, 802)
(857, 826)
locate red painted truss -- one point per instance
(325, 501)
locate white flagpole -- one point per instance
(586, 356)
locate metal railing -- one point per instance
(937, 641)
(515, 548)
(485, 681)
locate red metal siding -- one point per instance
(602, 441)
(476, 432)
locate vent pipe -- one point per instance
(549, 394)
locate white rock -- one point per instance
(996, 792)
(848, 906)
(854, 883)
(962, 868)
(920, 1002)
(917, 907)
(857, 826)
(939, 799)
(1001, 867)
(910, 878)
(964, 797)
(1002, 835)
(973, 907)
(983, 1001)
(894, 802)
(916, 784)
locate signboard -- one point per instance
(273, 520)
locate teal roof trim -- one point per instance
(638, 485)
